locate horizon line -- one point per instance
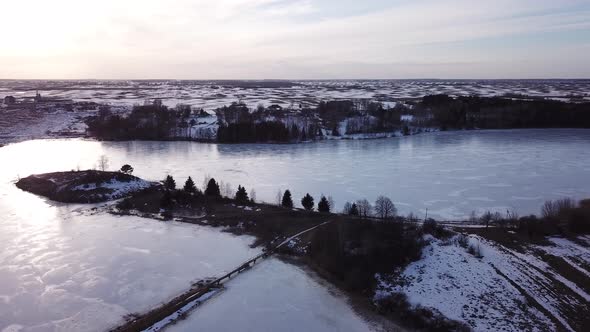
(299, 79)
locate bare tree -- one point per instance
(279, 197)
(347, 207)
(557, 208)
(486, 218)
(103, 163)
(549, 210)
(253, 195)
(226, 189)
(512, 216)
(331, 204)
(364, 208)
(384, 208)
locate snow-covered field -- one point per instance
(503, 290)
(575, 254)
(274, 296)
(212, 94)
(117, 189)
(20, 125)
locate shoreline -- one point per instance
(94, 139)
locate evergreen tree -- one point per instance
(323, 205)
(189, 186)
(354, 210)
(241, 195)
(166, 200)
(287, 200)
(213, 189)
(307, 202)
(169, 183)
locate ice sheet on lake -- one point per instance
(64, 270)
(450, 173)
(274, 296)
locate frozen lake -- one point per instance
(62, 268)
(65, 269)
(263, 300)
(448, 173)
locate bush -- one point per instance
(475, 250)
(127, 169)
(430, 226)
(345, 251)
(462, 240)
(579, 221)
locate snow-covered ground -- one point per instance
(205, 128)
(575, 254)
(465, 288)
(213, 94)
(118, 188)
(503, 290)
(20, 125)
(274, 296)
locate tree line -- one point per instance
(557, 217)
(383, 207)
(468, 112)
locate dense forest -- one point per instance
(145, 122)
(504, 113)
(237, 123)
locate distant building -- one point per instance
(9, 100)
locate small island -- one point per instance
(89, 186)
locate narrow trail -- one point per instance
(166, 313)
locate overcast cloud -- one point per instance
(296, 39)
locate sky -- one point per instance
(294, 39)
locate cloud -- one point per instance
(191, 37)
